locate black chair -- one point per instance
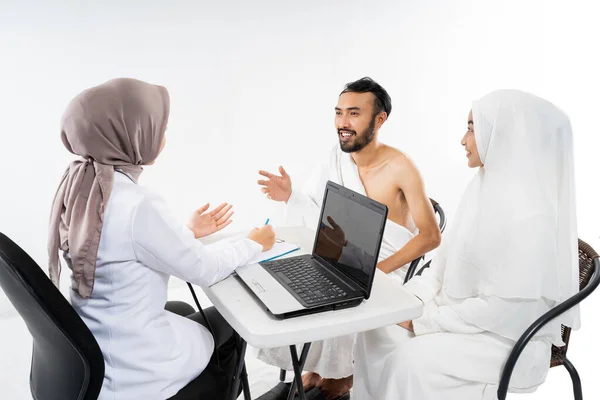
(589, 279)
(442, 222)
(67, 363)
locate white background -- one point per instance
(254, 84)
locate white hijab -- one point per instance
(515, 234)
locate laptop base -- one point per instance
(319, 309)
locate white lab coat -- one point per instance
(150, 353)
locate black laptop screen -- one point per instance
(349, 236)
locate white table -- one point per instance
(388, 304)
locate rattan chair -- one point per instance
(589, 278)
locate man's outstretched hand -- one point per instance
(276, 187)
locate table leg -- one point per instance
(245, 384)
(240, 372)
(298, 366)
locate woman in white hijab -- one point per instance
(122, 244)
(510, 257)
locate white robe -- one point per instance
(394, 364)
(332, 358)
(449, 358)
(509, 257)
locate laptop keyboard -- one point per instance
(306, 280)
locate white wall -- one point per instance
(253, 85)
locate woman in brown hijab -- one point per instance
(122, 245)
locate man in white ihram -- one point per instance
(376, 170)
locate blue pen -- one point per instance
(276, 239)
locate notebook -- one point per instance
(278, 250)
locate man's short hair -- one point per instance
(383, 102)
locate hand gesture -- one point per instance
(204, 223)
(278, 188)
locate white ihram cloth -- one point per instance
(510, 257)
(332, 358)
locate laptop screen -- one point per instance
(350, 232)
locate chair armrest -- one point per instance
(426, 265)
(413, 266)
(410, 272)
(539, 324)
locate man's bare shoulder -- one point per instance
(398, 160)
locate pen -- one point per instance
(277, 240)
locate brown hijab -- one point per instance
(117, 125)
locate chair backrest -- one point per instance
(586, 270)
(66, 362)
(410, 272)
(440, 211)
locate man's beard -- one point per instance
(360, 141)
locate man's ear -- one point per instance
(381, 118)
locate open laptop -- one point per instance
(339, 273)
